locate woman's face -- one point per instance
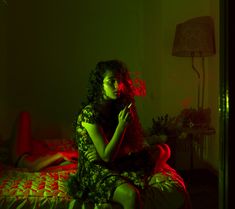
(112, 86)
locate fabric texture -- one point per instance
(97, 181)
(20, 188)
(48, 189)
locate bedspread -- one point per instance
(20, 188)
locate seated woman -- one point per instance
(125, 167)
(34, 154)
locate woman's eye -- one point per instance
(111, 81)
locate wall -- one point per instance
(180, 81)
(214, 90)
(171, 82)
(52, 47)
(54, 44)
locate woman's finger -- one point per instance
(91, 159)
(123, 112)
(126, 109)
(91, 154)
(126, 116)
(120, 113)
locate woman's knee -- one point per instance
(131, 192)
(127, 194)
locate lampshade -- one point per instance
(194, 37)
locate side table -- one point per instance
(195, 134)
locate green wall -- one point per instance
(52, 46)
(172, 84)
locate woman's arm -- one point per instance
(108, 150)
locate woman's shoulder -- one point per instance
(88, 114)
(89, 108)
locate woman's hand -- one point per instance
(91, 154)
(123, 117)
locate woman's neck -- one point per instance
(107, 104)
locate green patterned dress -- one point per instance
(96, 181)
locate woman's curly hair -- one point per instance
(133, 135)
(95, 88)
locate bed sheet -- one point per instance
(20, 188)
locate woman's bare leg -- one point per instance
(128, 196)
(41, 161)
(21, 144)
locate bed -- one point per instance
(23, 189)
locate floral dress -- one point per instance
(96, 181)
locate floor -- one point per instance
(203, 188)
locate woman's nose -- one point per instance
(116, 84)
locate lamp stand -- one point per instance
(203, 81)
(200, 97)
(198, 83)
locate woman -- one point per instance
(109, 125)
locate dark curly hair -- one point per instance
(95, 88)
(109, 118)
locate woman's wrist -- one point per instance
(120, 128)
